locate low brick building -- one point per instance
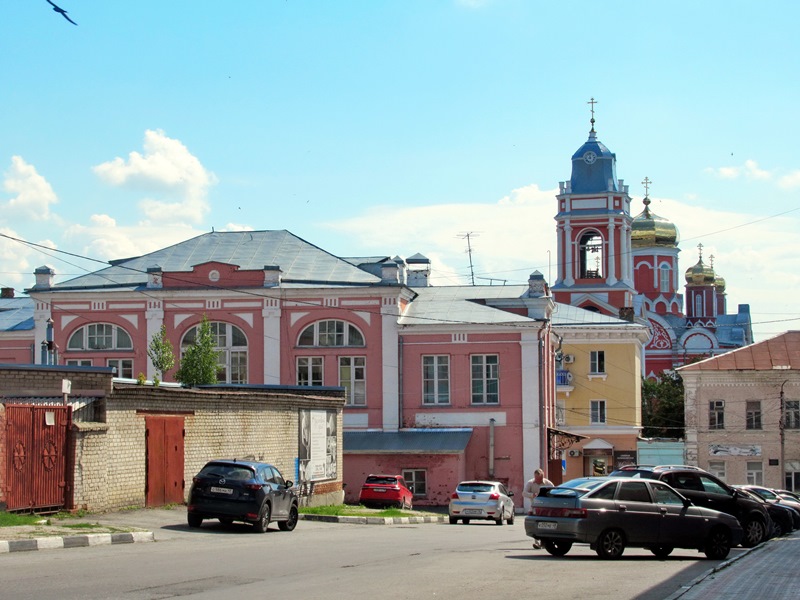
(140, 445)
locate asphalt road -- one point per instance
(337, 561)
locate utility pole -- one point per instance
(782, 429)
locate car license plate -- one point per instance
(219, 490)
(472, 511)
(546, 525)
(379, 490)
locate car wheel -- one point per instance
(510, 519)
(225, 520)
(499, 520)
(556, 547)
(755, 532)
(662, 552)
(718, 544)
(453, 520)
(290, 523)
(610, 544)
(262, 524)
(194, 520)
(466, 521)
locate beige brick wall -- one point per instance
(260, 424)
(108, 435)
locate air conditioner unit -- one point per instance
(569, 358)
(574, 453)
(569, 377)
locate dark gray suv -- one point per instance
(703, 489)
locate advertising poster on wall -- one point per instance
(317, 445)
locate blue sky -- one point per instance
(391, 128)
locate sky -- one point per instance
(384, 128)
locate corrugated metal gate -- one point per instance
(36, 456)
(164, 460)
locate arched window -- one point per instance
(331, 333)
(591, 255)
(230, 342)
(100, 336)
(664, 279)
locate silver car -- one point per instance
(486, 500)
(610, 513)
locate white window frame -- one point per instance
(331, 333)
(124, 367)
(753, 415)
(310, 370)
(597, 362)
(79, 362)
(597, 412)
(716, 415)
(417, 481)
(435, 389)
(665, 278)
(87, 338)
(232, 357)
(755, 473)
(717, 469)
(791, 414)
(353, 377)
(485, 375)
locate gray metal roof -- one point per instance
(16, 314)
(565, 315)
(417, 441)
(462, 304)
(299, 260)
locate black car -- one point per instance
(241, 490)
(782, 516)
(703, 489)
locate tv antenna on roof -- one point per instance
(468, 236)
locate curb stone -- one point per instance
(75, 541)
(355, 520)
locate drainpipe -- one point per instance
(544, 457)
(491, 448)
(400, 381)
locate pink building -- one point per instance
(443, 383)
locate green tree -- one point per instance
(199, 361)
(161, 352)
(662, 406)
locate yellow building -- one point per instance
(599, 390)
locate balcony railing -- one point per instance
(563, 377)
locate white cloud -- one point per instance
(104, 239)
(790, 181)
(517, 235)
(237, 227)
(34, 195)
(168, 169)
(749, 170)
(19, 260)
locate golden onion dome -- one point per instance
(719, 283)
(700, 274)
(648, 230)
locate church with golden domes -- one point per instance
(627, 267)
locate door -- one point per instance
(164, 446)
(36, 456)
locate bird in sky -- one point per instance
(58, 9)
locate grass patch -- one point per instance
(8, 519)
(355, 510)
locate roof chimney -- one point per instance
(7, 292)
(537, 286)
(272, 275)
(419, 276)
(44, 278)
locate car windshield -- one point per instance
(381, 480)
(227, 471)
(474, 487)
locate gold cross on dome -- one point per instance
(646, 183)
(700, 248)
(592, 102)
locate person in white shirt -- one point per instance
(531, 490)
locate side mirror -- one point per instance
(288, 483)
(510, 493)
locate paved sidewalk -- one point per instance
(766, 571)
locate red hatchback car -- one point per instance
(386, 490)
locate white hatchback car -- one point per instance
(485, 500)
